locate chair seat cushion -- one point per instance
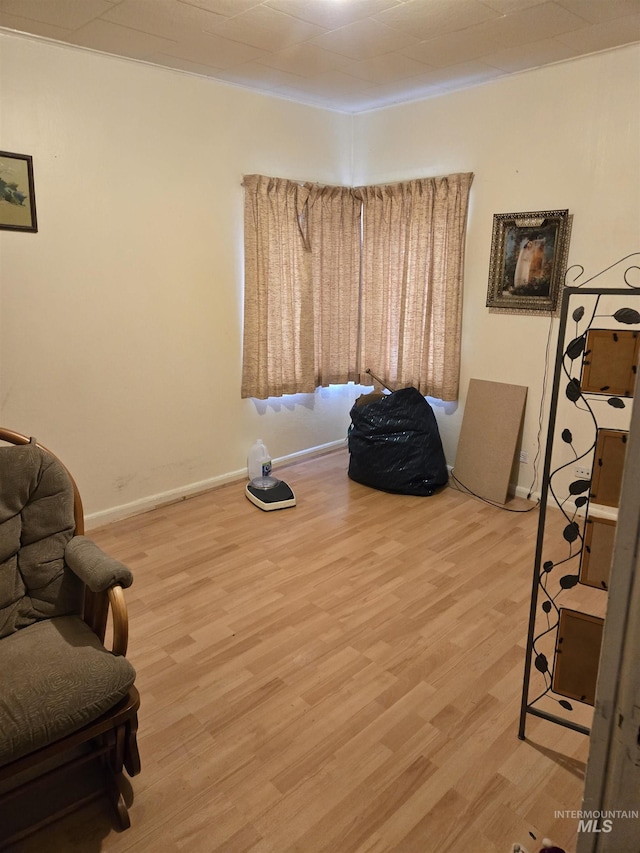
(56, 677)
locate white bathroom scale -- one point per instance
(269, 493)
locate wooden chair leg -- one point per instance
(119, 741)
(131, 754)
(114, 789)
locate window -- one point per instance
(340, 279)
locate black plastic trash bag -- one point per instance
(394, 445)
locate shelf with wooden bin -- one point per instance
(577, 654)
(597, 551)
(595, 376)
(610, 362)
(608, 467)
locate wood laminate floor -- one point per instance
(343, 676)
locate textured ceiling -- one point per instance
(348, 55)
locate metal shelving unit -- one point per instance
(563, 643)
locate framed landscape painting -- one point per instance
(17, 194)
(528, 260)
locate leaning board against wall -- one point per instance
(489, 435)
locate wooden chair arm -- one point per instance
(120, 620)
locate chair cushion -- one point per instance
(36, 523)
(56, 678)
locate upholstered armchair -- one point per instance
(67, 703)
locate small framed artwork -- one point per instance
(528, 260)
(17, 194)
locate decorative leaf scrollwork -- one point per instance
(627, 315)
(541, 663)
(616, 402)
(576, 348)
(571, 532)
(578, 487)
(573, 391)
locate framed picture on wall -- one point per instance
(17, 194)
(528, 260)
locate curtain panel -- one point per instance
(334, 237)
(278, 300)
(412, 276)
(301, 295)
(339, 280)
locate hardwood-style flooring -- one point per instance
(342, 676)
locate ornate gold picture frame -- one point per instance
(528, 260)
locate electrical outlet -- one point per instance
(582, 473)
(524, 456)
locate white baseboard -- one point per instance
(595, 510)
(117, 513)
(522, 492)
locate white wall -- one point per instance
(566, 136)
(121, 319)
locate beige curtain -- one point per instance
(412, 265)
(324, 301)
(334, 235)
(278, 341)
(302, 265)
